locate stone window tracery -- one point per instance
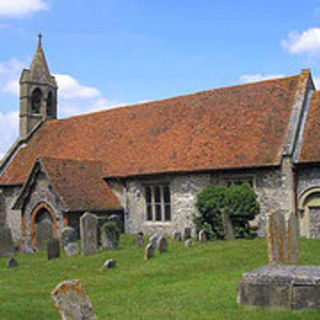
(158, 202)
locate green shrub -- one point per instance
(238, 202)
(111, 230)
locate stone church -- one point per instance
(147, 162)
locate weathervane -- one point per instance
(40, 38)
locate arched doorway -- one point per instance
(43, 225)
(309, 209)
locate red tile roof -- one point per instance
(310, 151)
(80, 184)
(234, 127)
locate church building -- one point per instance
(147, 162)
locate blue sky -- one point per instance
(113, 52)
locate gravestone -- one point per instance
(6, 242)
(227, 226)
(153, 240)
(71, 249)
(44, 233)
(148, 251)
(202, 237)
(276, 236)
(188, 243)
(139, 240)
(109, 242)
(26, 245)
(187, 233)
(2, 210)
(292, 239)
(71, 301)
(53, 249)
(68, 234)
(109, 264)
(162, 244)
(89, 233)
(12, 263)
(177, 236)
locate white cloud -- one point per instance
(70, 88)
(18, 8)
(246, 78)
(9, 76)
(306, 42)
(9, 130)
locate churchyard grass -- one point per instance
(184, 283)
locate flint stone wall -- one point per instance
(12, 217)
(272, 185)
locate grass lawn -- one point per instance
(185, 283)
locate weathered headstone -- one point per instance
(53, 249)
(68, 234)
(109, 264)
(292, 239)
(109, 242)
(6, 242)
(89, 233)
(202, 237)
(12, 263)
(2, 210)
(71, 301)
(44, 233)
(148, 252)
(177, 236)
(276, 236)
(26, 245)
(162, 244)
(153, 240)
(139, 239)
(227, 226)
(187, 233)
(188, 243)
(71, 249)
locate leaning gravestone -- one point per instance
(68, 234)
(162, 244)
(227, 226)
(139, 239)
(153, 240)
(71, 301)
(12, 263)
(53, 249)
(292, 239)
(6, 242)
(89, 233)
(276, 236)
(148, 252)
(44, 233)
(202, 236)
(188, 243)
(71, 249)
(177, 236)
(187, 233)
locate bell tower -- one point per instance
(38, 93)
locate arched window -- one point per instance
(50, 104)
(36, 101)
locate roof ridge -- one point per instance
(141, 104)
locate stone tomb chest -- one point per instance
(281, 286)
